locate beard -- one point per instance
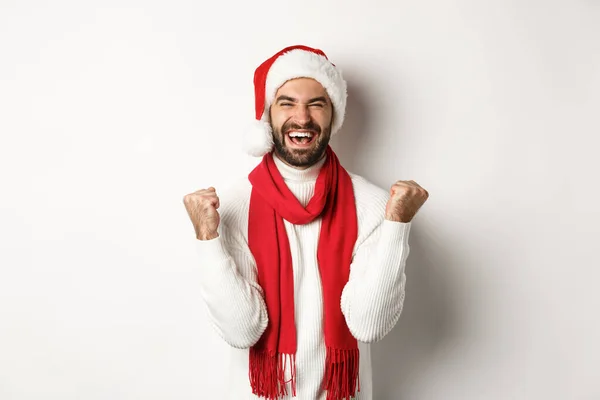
(301, 157)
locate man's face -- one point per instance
(301, 118)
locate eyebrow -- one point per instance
(293, 100)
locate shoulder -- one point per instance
(368, 195)
(371, 201)
(234, 203)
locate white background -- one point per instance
(112, 111)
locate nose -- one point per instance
(302, 114)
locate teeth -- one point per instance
(301, 134)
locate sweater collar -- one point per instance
(300, 175)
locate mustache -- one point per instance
(309, 126)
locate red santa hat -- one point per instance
(290, 63)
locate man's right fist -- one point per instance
(202, 209)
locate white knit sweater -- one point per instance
(371, 301)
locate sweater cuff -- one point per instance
(394, 232)
(212, 250)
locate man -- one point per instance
(303, 264)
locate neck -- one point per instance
(293, 173)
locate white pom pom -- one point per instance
(258, 141)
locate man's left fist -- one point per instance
(406, 197)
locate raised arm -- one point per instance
(228, 274)
(373, 298)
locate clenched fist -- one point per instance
(202, 208)
(406, 197)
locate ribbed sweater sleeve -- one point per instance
(230, 290)
(373, 298)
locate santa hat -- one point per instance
(290, 63)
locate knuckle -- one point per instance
(204, 202)
(189, 199)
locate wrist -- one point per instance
(397, 218)
(207, 235)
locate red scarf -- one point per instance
(271, 202)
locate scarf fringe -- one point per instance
(341, 374)
(267, 373)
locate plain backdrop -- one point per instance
(111, 111)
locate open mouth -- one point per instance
(301, 138)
